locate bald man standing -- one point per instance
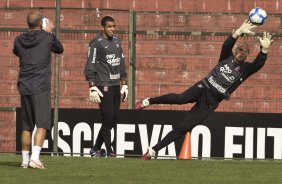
(34, 50)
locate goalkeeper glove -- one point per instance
(245, 28)
(124, 92)
(95, 94)
(265, 42)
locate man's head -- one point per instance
(34, 20)
(108, 24)
(241, 52)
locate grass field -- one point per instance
(79, 170)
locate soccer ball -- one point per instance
(257, 16)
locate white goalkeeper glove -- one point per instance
(95, 94)
(265, 42)
(245, 28)
(124, 92)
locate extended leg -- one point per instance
(188, 96)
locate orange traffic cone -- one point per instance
(185, 152)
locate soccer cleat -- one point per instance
(102, 152)
(142, 104)
(111, 155)
(36, 164)
(24, 166)
(95, 153)
(149, 154)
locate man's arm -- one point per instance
(15, 50)
(57, 46)
(123, 78)
(48, 26)
(123, 74)
(257, 64)
(229, 43)
(95, 94)
(260, 60)
(90, 67)
(226, 49)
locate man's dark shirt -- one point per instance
(227, 75)
(105, 63)
(34, 51)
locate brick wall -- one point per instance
(7, 131)
(243, 6)
(165, 63)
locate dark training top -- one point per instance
(105, 64)
(227, 75)
(34, 51)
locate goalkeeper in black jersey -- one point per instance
(106, 73)
(224, 78)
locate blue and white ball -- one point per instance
(257, 16)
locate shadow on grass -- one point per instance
(9, 164)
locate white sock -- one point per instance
(25, 157)
(35, 153)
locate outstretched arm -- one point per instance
(226, 50)
(265, 42)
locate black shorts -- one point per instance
(36, 110)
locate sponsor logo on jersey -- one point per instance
(225, 69)
(200, 86)
(237, 68)
(112, 60)
(114, 76)
(225, 72)
(94, 55)
(216, 85)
